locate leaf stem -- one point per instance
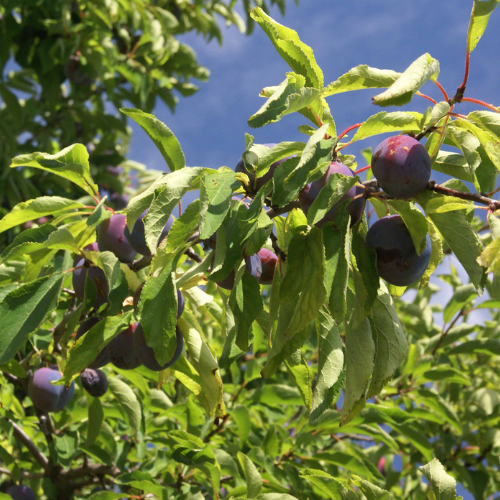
(440, 87)
(362, 169)
(427, 97)
(481, 103)
(348, 129)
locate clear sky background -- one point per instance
(387, 34)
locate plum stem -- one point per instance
(427, 97)
(440, 87)
(362, 169)
(348, 129)
(277, 250)
(481, 103)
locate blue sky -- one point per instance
(388, 34)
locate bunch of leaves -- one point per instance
(252, 409)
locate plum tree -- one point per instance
(94, 382)
(269, 261)
(258, 183)
(21, 492)
(96, 274)
(180, 299)
(401, 166)
(111, 237)
(311, 192)
(121, 349)
(103, 357)
(397, 260)
(253, 266)
(46, 396)
(146, 354)
(137, 238)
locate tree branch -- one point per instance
(274, 211)
(20, 435)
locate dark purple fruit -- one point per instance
(96, 274)
(48, 397)
(401, 166)
(103, 357)
(137, 238)
(94, 382)
(111, 237)
(146, 354)
(311, 192)
(256, 185)
(91, 247)
(397, 259)
(121, 349)
(269, 261)
(253, 266)
(21, 492)
(120, 201)
(180, 299)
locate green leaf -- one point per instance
(278, 394)
(130, 404)
(442, 485)
(297, 54)
(490, 257)
(383, 122)
(391, 346)
(336, 186)
(207, 368)
(371, 491)
(453, 164)
(361, 77)
(117, 282)
(331, 373)
(71, 163)
(92, 343)
(336, 239)
(96, 417)
(161, 135)
(461, 296)
(215, 196)
(290, 96)
(252, 475)
(360, 363)
(403, 89)
(461, 237)
(23, 310)
(480, 15)
(157, 311)
(260, 163)
(246, 304)
(301, 374)
(144, 482)
(241, 416)
(328, 485)
(436, 253)
(448, 374)
(443, 204)
(39, 207)
(182, 228)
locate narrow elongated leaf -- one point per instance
(383, 122)
(71, 163)
(301, 374)
(414, 220)
(297, 54)
(403, 89)
(328, 485)
(360, 362)
(289, 96)
(96, 416)
(490, 257)
(183, 227)
(215, 194)
(246, 304)
(157, 310)
(207, 368)
(129, 402)
(23, 310)
(479, 18)
(441, 484)
(252, 475)
(331, 371)
(361, 77)
(117, 281)
(161, 135)
(391, 345)
(38, 207)
(371, 491)
(269, 156)
(336, 238)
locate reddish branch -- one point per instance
(347, 130)
(481, 103)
